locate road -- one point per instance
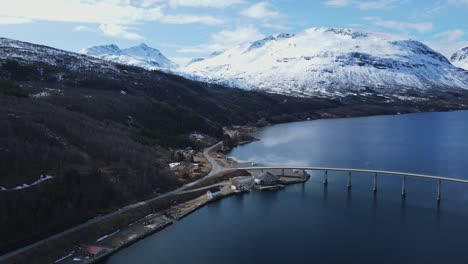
(215, 169)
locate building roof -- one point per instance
(235, 183)
(267, 176)
(92, 250)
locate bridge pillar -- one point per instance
(325, 178)
(282, 172)
(403, 187)
(439, 190)
(349, 181)
(375, 183)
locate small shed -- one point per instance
(266, 178)
(213, 192)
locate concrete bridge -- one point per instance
(403, 175)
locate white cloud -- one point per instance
(262, 10)
(237, 36)
(275, 26)
(364, 5)
(9, 20)
(84, 28)
(204, 3)
(119, 31)
(190, 19)
(450, 35)
(447, 42)
(225, 39)
(464, 2)
(402, 26)
(337, 3)
(115, 12)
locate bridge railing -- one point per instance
(403, 175)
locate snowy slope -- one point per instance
(141, 56)
(460, 58)
(329, 61)
(32, 53)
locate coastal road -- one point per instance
(215, 169)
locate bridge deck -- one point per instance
(395, 173)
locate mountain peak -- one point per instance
(109, 49)
(460, 58)
(141, 56)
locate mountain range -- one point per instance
(332, 62)
(316, 62)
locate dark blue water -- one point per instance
(310, 223)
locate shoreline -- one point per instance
(102, 258)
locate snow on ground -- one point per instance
(41, 94)
(173, 165)
(106, 236)
(25, 185)
(123, 92)
(65, 257)
(197, 136)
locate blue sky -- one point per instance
(184, 29)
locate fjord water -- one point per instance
(310, 223)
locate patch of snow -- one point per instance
(41, 94)
(405, 98)
(76, 259)
(25, 185)
(65, 257)
(173, 165)
(123, 92)
(197, 136)
(106, 236)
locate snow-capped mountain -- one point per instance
(329, 61)
(103, 50)
(460, 58)
(141, 56)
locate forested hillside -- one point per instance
(105, 135)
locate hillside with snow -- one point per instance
(460, 58)
(29, 53)
(326, 61)
(140, 56)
